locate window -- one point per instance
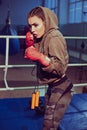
(77, 11)
(85, 11)
(52, 4)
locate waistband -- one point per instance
(63, 79)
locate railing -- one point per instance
(6, 66)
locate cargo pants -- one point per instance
(58, 97)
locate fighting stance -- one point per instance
(49, 50)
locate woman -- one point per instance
(50, 51)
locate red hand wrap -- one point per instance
(29, 39)
(34, 55)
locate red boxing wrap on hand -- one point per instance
(29, 39)
(34, 55)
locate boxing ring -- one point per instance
(6, 66)
(15, 113)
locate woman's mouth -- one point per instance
(35, 35)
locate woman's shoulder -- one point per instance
(54, 32)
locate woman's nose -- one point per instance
(32, 29)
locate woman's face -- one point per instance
(37, 26)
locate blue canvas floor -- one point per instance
(16, 115)
(75, 117)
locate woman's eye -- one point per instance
(35, 25)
